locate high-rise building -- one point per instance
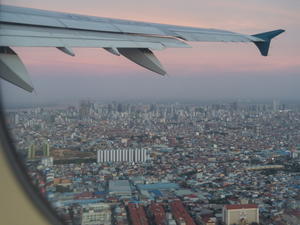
(31, 151)
(122, 155)
(275, 105)
(240, 214)
(17, 118)
(46, 149)
(84, 109)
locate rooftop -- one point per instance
(119, 186)
(241, 206)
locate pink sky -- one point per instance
(251, 17)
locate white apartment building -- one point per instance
(122, 155)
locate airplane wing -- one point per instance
(26, 27)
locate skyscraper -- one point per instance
(84, 109)
(46, 149)
(31, 151)
(275, 105)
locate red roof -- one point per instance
(192, 196)
(180, 213)
(206, 218)
(158, 212)
(295, 212)
(137, 214)
(241, 206)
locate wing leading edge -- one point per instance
(25, 27)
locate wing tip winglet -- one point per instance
(264, 45)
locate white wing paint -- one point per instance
(25, 27)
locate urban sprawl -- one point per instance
(164, 164)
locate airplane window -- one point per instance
(203, 135)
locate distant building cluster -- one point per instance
(122, 155)
(165, 163)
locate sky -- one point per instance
(208, 71)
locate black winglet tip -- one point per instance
(269, 35)
(266, 37)
(280, 31)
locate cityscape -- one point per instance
(172, 163)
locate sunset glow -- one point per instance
(204, 57)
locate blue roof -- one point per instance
(282, 152)
(81, 201)
(99, 192)
(158, 186)
(296, 186)
(157, 193)
(136, 202)
(68, 193)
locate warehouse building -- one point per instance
(119, 187)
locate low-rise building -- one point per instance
(94, 214)
(240, 214)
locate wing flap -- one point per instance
(143, 57)
(29, 36)
(56, 42)
(213, 36)
(27, 41)
(13, 70)
(66, 50)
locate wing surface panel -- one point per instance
(30, 36)
(72, 21)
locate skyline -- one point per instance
(206, 157)
(221, 70)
